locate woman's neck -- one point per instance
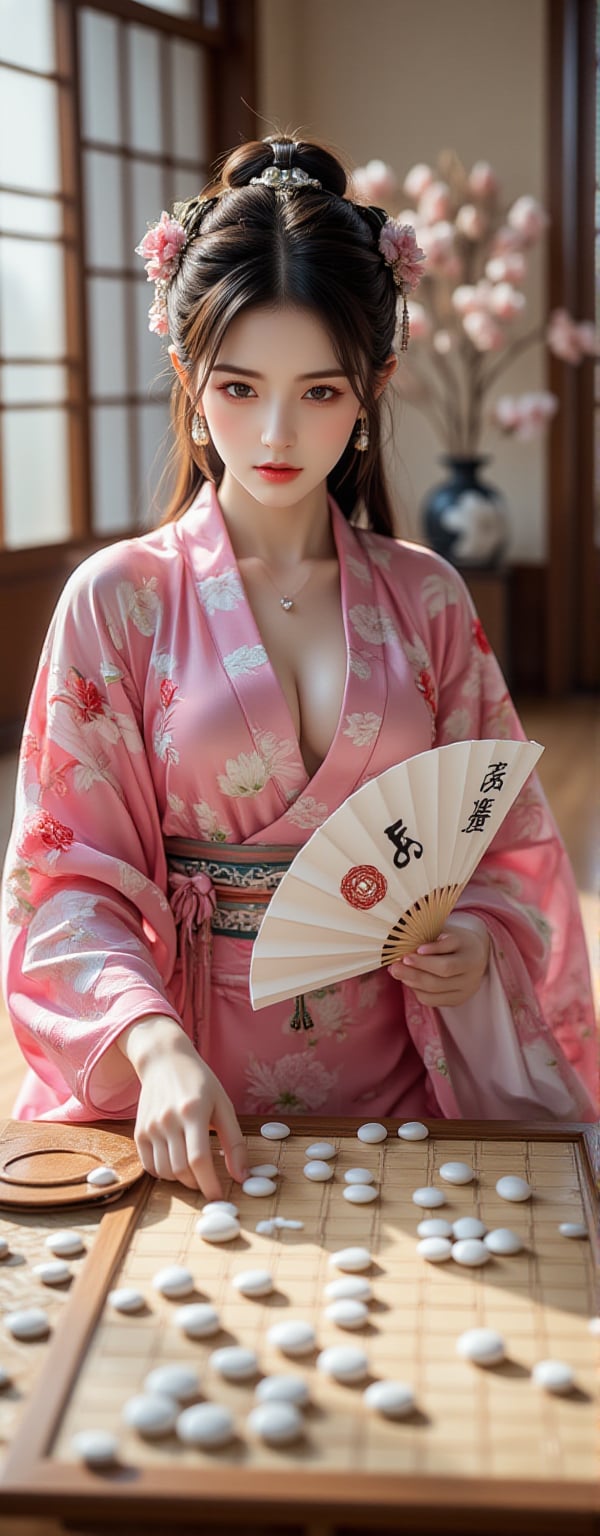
(280, 536)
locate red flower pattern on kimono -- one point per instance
(480, 637)
(41, 827)
(82, 697)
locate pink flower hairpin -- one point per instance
(161, 249)
(398, 246)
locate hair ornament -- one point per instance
(398, 246)
(284, 179)
(162, 249)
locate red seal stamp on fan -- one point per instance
(363, 886)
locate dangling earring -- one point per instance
(361, 441)
(200, 432)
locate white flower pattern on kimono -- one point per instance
(372, 623)
(295, 1083)
(115, 634)
(212, 829)
(360, 664)
(244, 775)
(362, 728)
(18, 889)
(131, 880)
(247, 658)
(222, 592)
(141, 604)
(369, 988)
(175, 803)
(162, 741)
(434, 1059)
(110, 673)
(307, 812)
(377, 554)
(456, 727)
(330, 1012)
(358, 568)
(95, 772)
(438, 593)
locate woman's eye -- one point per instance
(321, 393)
(237, 385)
(324, 388)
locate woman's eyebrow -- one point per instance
(319, 373)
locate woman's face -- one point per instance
(276, 395)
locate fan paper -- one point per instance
(381, 875)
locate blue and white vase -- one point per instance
(464, 518)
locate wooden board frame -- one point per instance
(311, 1504)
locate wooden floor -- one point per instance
(570, 773)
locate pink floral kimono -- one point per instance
(156, 715)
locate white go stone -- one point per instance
(343, 1363)
(4, 1248)
(482, 1345)
(594, 1326)
(457, 1173)
(318, 1170)
(263, 1171)
(434, 1226)
(126, 1299)
(394, 1399)
(102, 1177)
(267, 1228)
(359, 1176)
(361, 1194)
(151, 1413)
(28, 1323)
(428, 1197)
(198, 1320)
(282, 1389)
(276, 1422)
(234, 1362)
(282, 1221)
(274, 1130)
(179, 1381)
(413, 1130)
(96, 1447)
(207, 1424)
(502, 1240)
(435, 1249)
(5, 1379)
(174, 1280)
(469, 1226)
(471, 1252)
(218, 1227)
(372, 1131)
(293, 1337)
(324, 1150)
(351, 1259)
(259, 1186)
(553, 1376)
(349, 1288)
(219, 1208)
(53, 1272)
(65, 1243)
(347, 1313)
(573, 1229)
(253, 1282)
(512, 1188)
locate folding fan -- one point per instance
(380, 876)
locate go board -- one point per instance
(483, 1446)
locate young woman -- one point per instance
(209, 692)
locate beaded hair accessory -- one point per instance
(165, 242)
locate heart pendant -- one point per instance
(287, 603)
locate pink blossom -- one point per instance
(509, 268)
(435, 202)
(481, 329)
(438, 243)
(470, 298)
(419, 178)
(482, 180)
(524, 416)
(471, 222)
(157, 315)
(569, 340)
(505, 239)
(506, 302)
(443, 342)
(398, 244)
(528, 218)
(420, 323)
(161, 247)
(296, 1082)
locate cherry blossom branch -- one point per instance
(537, 334)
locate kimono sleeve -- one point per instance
(526, 1045)
(88, 934)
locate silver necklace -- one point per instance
(286, 599)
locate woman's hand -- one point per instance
(180, 1099)
(449, 971)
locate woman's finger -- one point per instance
(179, 1159)
(199, 1156)
(227, 1126)
(162, 1160)
(145, 1153)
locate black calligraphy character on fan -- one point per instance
(482, 810)
(493, 778)
(406, 847)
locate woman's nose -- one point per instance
(278, 431)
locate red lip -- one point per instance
(276, 466)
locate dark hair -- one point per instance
(311, 248)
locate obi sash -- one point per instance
(218, 888)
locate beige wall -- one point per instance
(400, 80)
